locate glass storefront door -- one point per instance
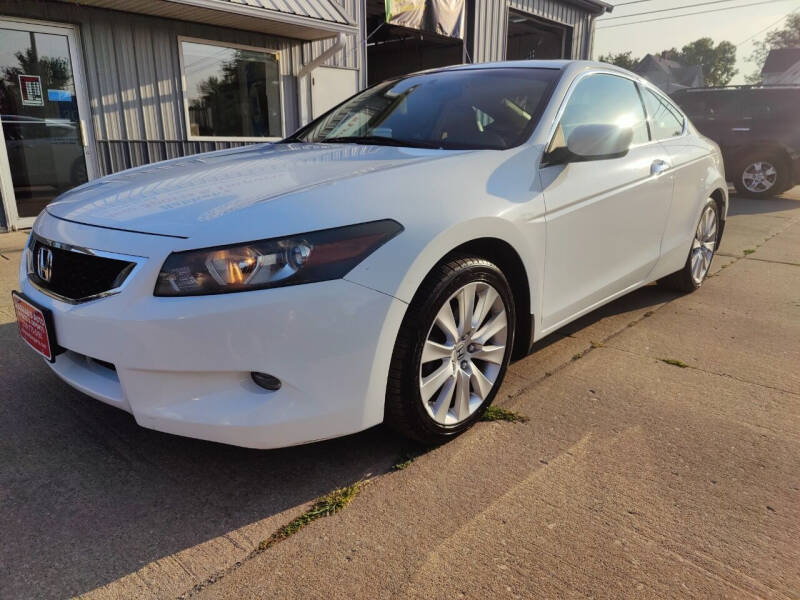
(44, 136)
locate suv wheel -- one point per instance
(761, 175)
(452, 350)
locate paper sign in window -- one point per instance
(30, 88)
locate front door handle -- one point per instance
(658, 167)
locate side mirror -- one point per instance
(593, 142)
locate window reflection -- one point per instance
(39, 113)
(606, 99)
(456, 109)
(231, 92)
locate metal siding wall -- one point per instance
(133, 74)
(491, 21)
(351, 57)
(491, 25)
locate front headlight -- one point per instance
(304, 258)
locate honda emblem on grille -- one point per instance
(44, 263)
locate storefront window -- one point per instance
(231, 92)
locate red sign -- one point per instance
(30, 88)
(33, 326)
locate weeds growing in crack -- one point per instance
(674, 362)
(323, 507)
(496, 413)
(408, 457)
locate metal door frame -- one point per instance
(72, 33)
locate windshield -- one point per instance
(460, 109)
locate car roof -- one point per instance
(738, 88)
(570, 66)
(519, 64)
(538, 64)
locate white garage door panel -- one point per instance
(329, 86)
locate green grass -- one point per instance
(748, 251)
(326, 506)
(408, 457)
(674, 362)
(404, 463)
(496, 413)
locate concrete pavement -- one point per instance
(633, 478)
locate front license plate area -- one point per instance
(35, 326)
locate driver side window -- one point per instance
(602, 99)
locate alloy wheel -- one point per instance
(760, 176)
(704, 244)
(463, 353)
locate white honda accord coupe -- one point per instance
(384, 263)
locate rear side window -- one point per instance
(772, 104)
(666, 121)
(607, 100)
(712, 105)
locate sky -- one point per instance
(735, 25)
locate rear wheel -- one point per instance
(761, 175)
(452, 350)
(704, 245)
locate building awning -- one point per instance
(306, 20)
(597, 7)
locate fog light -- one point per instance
(268, 382)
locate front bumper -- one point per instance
(182, 365)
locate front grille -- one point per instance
(77, 275)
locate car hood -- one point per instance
(179, 197)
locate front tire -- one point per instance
(452, 350)
(704, 246)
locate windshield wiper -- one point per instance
(379, 140)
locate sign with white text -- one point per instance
(30, 88)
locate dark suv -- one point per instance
(758, 130)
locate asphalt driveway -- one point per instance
(662, 458)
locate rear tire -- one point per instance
(761, 175)
(704, 246)
(452, 350)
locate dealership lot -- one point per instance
(660, 459)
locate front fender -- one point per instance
(399, 267)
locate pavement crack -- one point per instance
(774, 262)
(592, 346)
(707, 371)
(326, 506)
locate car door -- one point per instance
(690, 165)
(604, 218)
(773, 117)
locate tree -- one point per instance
(234, 103)
(54, 71)
(621, 59)
(718, 62)
(786, 37)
